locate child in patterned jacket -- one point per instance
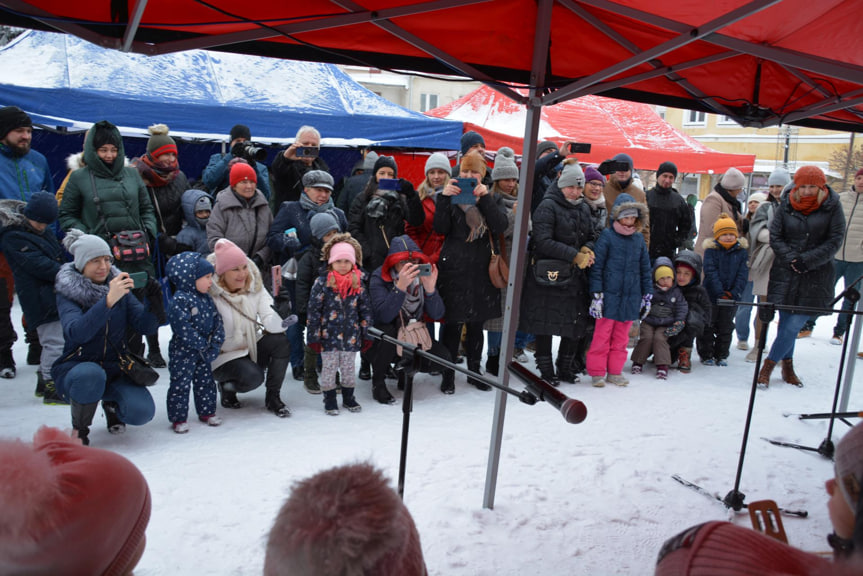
(339, 316)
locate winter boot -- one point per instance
(348, 400)
(331, 402)
(310, 373)
(381, 394)
(34, 350)
(51, 396)
(112, 417)
(7, 364)
(546, 370)
(365, 369)
(684, 360)
(447, 385)
(40, 384)
(662, 372)
(275, 405)
(154, 353)
(565, 373)
(788, 374)
(766, 370)
(229, 395)
(473, 366)
(492, 364)
(82, 417)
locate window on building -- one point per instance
(428, 101)
(694, 117)
(727, 120)
(690, 184)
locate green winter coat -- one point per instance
(123, 199)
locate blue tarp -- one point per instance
(62, 80)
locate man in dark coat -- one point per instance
(217, 173)
(670, 216)
(356, 183)
(288, 168)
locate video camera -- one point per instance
(250, 152)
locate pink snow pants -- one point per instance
(608, 349)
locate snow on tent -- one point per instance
(61, 80)
(610, 126)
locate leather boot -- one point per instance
(275, 405)
(473, 366)
(381, 394)
(766, 371)
(348, 400)
(331, 403)
(154, 353)
(788, 374)
(447, 385)
(684, 360)
(492, 364)
(34, 349)
(229, 395)
(112, 418)
(565, 372)
(310, 372)
(546, 370)
(82, 417)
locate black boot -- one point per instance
(310, 372)
(50, 395)
(82, 417)
(365, 369)
(473, 366)
(154, 353)
(348, 400)
(380, 393)
(229, 395)
(492, 364)
(112, 417)
(546, 370)
(275, 375)
(447, 385)
(34, 351)
(275, 405)
(564, 369)
(331, 402)
(7, 364)
(40, 384)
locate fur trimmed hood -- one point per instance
(711, 243)
(80, 289)
(12, 213)
(625, 202)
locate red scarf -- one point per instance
(156, 174)
(344, 284)
(807, 205)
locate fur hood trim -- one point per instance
(710, 243)
(12, 213)
(80, 289)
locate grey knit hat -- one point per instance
(779, 177)
(369, 161)
(733, 179)
(571, 175)
(849, 465)
(322, 223)
(438, 160)
(84, 247)
(504, 165)
(546, 145)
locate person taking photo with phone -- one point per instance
(292, 163)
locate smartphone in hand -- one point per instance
(388, 184)
(139, 279)
(466, 196)
(425, 269)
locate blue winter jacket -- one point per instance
(217, 174)
(90, 328)
(193, 234)
(195, 322)
(21, 176)
(725, 270)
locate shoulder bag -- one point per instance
(498, 267)
(126, 245)
(414, 332)
(552, 272)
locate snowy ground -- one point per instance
(593, 498)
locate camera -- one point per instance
(250, 151)
(308, 151)
(425, 269)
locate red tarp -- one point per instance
(610, 126)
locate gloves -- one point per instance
(282, 305)
(292, 243)
(596, 306)
(645, 305)
(582, 259)
(799, 266)
(167, 245)
(366, 345)
(727, 296)
(675, 328)
(289, 321)
(237, 149)
(316, 346)
(406, 188)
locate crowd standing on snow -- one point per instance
(258, 270)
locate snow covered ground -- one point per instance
(593, 498)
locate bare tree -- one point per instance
(8, 33)
(846, 162)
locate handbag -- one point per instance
(414, 332)
(498, 267)
(552, 272)
(134, 366)
(126, 245)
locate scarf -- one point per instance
(475, 221)
(731, 200)
(413, 303)
(344, 284)
(156, 174)
(309, 206)
(807, 205)
(595, 204)
(623, 230)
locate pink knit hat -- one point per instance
(69, 509)
(343, 251)
(228, 256)
(345, 520)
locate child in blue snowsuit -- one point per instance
(198, 334)
(197, 207)
(725, 274)
(339, 315)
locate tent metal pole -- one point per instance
(850, 366)
(518, 254)
(134, 22)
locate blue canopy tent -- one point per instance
(65, 82)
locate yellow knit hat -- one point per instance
(725, 224)
(663, 272)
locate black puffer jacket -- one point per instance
(670, 222)
(560, 229)
(814, 239)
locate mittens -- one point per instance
(289, 321)
(675, 328)
(595, 310)
(406, 188)
(645, 305)
(582, 259)
(292, 243)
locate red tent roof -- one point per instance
(610, 126)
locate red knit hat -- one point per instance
(242, 171)
(228, 256)
(68, 509)
(345, 520)
(723, 549)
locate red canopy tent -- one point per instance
(610, 126)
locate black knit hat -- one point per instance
(42, 207)
(104, 134)
(241, 131)
(386, 161)
(12, 117)
(666, 167)
(470, 139)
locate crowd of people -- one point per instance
(257, 270)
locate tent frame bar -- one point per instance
(134, 23)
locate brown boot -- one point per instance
(684, 360)
(788, 374)
(766, 371)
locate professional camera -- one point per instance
(249, 151)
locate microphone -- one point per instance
(573, 411)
